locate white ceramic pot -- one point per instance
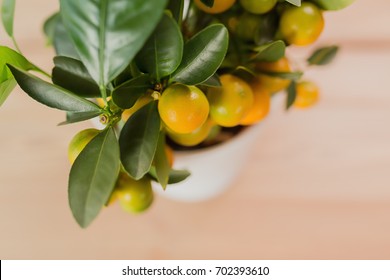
(213, 169)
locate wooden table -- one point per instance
(317, 185)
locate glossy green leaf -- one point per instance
(7, 16)
(74, 117)
(138, 140)
(108, 34)
(176, 7)
(323, 56)
(10, 56)
(6, 88)
(296, 2)
(49, 27)
(93, 176)
(72, 75)
(7, 81)
(161, 162)
(63, 43)
(270, 52)
(285, 75)
(291, 94)
(213, 81)
(203, 54)
(51, 95)
(163, 51)
(333, 5)
(175, 176)
(128, 93)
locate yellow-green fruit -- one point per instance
(302, 25)
(79, 141)
(134, 195)
(193, 138)
(230, 103)
(258, 6)
(183, 108)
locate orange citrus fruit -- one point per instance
(193, 138)
(302, 25)
(183, 108)
(261, 104)
(307, 94)
(134, 195)
(230, 103)
(270, 83)
(218, 7)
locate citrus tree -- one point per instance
(156, 72)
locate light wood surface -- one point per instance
(317, 185)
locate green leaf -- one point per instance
(213, 81)
(176, 7)
(49, 27)
(62, 42)
(6, 88)
(51, 95)
(108, 34)
(7, 16)
(175, 176)
(128, 93)
(291, 94)
(93, 176)
(161, 162)
(7, 81)
(270, 52)
(72, 75)
(10, 56)
(297, 2)
(333, 5)
(285, 75)
(138, 140)
(203, 54)
(163, 51)
(74, 117)
(323, 56)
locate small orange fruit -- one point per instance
(270, 83)
(302, 25)
(193, 138)
(230, 103)
(218, 7)
(134, 195)
(307, 94)
(183, 108)
(261, 104)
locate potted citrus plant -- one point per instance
(162, 76)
